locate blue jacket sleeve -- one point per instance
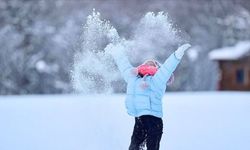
(123, 64)
(165, 71)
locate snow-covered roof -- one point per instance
(236, 52)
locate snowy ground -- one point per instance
(193, 121)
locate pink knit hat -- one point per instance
(149, 67)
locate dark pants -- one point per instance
(147, 130)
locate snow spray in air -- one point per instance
(154, 37)
(94, 70)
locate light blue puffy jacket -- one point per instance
(140, 101)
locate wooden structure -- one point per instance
(234, 64)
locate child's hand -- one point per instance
(109, 48)
(184, 47)
(115, 49)
(113, 35)
(181, 50)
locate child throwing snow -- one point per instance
(146, 86)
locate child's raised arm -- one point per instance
(118, 53)
(166, 70)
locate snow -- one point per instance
(193, 53)
(231, 53)
(85, 77)
(192, 121)
(41, 66)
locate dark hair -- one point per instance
(139, 75)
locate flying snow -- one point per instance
(94, 70)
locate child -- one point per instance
(146, 86)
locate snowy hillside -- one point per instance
(193, 121)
